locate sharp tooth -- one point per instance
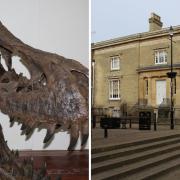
(39, 129)
(22, 132)
(23, 127)
(12, 121)
(74, 136)
(28, 130)
(72, 144)
(48, 136)
(11, 124)
(84, 139)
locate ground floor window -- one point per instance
(114, 89)
(146, 87)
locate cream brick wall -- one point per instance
(134, 54)
(148, 47)
(127, 75)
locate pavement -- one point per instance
(173, 176)
(122, 136)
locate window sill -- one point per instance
(111, 99)
(160, 63)
(115, 69)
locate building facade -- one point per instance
(133, 70)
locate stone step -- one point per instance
(156, 172)
(104, 156)
(166, 174)
(125, 171)
(134, 143)
(140, 156)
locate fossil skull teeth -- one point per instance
(55, 95)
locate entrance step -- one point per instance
(135, 143)
(121, 152)
(138, 160)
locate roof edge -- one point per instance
(133, 38)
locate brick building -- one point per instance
(132, 70)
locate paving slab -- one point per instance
(173, 176)
(122, 136)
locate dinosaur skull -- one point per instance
(56, 95)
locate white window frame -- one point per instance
(114, 94)
(160, 57)
(114, 60)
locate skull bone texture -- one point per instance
(55, 97)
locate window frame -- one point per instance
(146, 87)
(112, 90)
(112, 59)
(160, 58)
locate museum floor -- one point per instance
(71, 165)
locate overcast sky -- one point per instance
(58, 26)
(116, 18)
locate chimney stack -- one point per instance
(155, 22)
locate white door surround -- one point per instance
(160, 91)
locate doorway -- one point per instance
(160, 91)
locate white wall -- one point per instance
(59, 26)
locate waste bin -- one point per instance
(110, 123)
(145, 120)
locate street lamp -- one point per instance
(171, 75)
(92, 94)
(93, 75)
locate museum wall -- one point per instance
(58, 26)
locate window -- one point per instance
(146, 87)
(161, 57)
(114, 89)
(115, 63)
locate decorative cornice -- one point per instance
(157, 68)
(134, 38)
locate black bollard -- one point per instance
(130, 124)
(155, 123)
(105, 133)
(94, 121)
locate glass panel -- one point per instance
(114, 89)
(114, 63)
(161, 57)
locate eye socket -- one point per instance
(58, 126)
(5, 80)
(19, 88)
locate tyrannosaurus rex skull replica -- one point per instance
(55, 96)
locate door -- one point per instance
(160, 91)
